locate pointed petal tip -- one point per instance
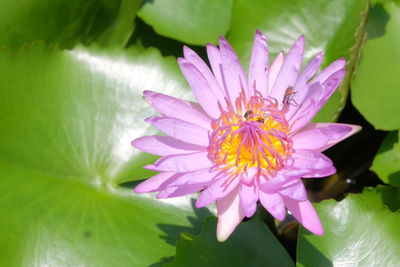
(147, 92)
(150, 167)
(139, 189)
(280, 217)
(356, 128)
(300, 42)
(320, 55)
(224, 232)
(134, 142)
(223, 41)
(187, 51)
(203, 201)
(222, 237)
(261, 37)
(150, 119)
(182, 60)
(316, 230)
(161, 195)
(260, 34)
(281, 54)
(341, 62)
(148, 95)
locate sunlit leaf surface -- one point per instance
(376, 82)
(194, 22)
(359, 231)
(68, 118)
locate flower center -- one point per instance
(254, 135)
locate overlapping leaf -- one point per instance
(386, 162)
(63, 23)
(376, 82)
(327, 25)
(252, 244)
(194, 22)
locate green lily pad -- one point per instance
(332, 26)
(375, 85)
(63, 23)
(68, 118)
(386, 162)
(251, 244)
(359, 231)
(194, 22)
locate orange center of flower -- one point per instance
(255, 134)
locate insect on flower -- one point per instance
(246, 140)
(288, 98)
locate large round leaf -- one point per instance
(74, 113)
(327, 25)
(251, 244)
(359, 231)
(376, 83)
(68, 118)
(63, 23)
(386, 162)
(194, 22)
(50, 220)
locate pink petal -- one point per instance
(230, 214)
(181, 130)
(321, 136)
(183, 162)
(282, 177)
(196, 177)
(309, 71)
(214, 56)
(274, 70)
(320, 98)
(320, 172)
(330, 84)
(258, 71)
(295, 190)
(273, 203)
(308, 159)
(217, 190)
(179, 109)
(234, 76)
(311, 138)
(305, 213)
(306, 110)
(301, 86)
(248, 198)
(201, 89)
(193, 58)
(155, 183)
(177, 191)
(248, 176)
(328, 71)
(289, 71)
(164, 145)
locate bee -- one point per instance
(260, 120)
(247, 115)
(288, 98)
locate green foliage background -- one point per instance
(71, 80)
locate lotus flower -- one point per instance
(248, 139)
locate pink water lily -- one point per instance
(248, 139)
